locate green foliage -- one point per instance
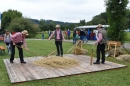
(51, 26)
(82, 22)
(8, 16)
(102, 21)
(128, 18)
(89, 23)
(116, 12)
(20, 24)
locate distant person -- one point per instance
(18, 40)
(59, 37)
(89, 32)
(86, 36)
(7, 40)
(74, 36)
(42, 35)
(49, 33)
(77, 36)
(82, 35)
(101, 43)
(68, 33)
(92, 35)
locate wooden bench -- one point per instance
(2, 50)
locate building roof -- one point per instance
(92, 26)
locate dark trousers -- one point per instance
(100, 48)
(13, 51)
(58, 44)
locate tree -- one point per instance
(102, 21)
(52, 25)
(116, 12)
(128, 18)
(8, 16)
(99, 17)
(20, 24)
(95, 20)
(89, 23)
(41, 24)
(82, 22)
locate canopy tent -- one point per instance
(91, 27)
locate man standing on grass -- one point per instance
(101, 43)
(58, 40)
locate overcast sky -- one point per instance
(58, 10)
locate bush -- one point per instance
(20, 24)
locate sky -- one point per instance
(57, 10)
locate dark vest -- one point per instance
(59, 34)
(104, 35)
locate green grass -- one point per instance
(128, 36)
(117, 77)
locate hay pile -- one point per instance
(78, 48)
(118, 52)
(124, 58)
(79, 51)
(57, 62)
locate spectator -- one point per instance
(74, 36)
(82, 35)
(86, 36)
(49, 33)
(68, 34)
(42, 35)
(7, 40)
(92, 35)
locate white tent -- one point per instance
(91, 27)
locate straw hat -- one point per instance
(25, 32)
(99, 26)
(57, 25)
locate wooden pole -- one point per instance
(51, 53)
(91, 59)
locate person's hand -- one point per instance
(22, 46)
(49, 39)
(96, 43)
(26, 49)
(64, 40)
(14, 43)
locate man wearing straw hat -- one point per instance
(18, 40)
(101, 42)
(58, 40)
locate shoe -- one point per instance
(57, 55)
(11, 62)
(103, 62)
(96, 63)
(61, 55)
(23, 62)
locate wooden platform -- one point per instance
(26, 72)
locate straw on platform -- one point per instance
(124, 58)
(57, 62)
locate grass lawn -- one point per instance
(117, 77)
